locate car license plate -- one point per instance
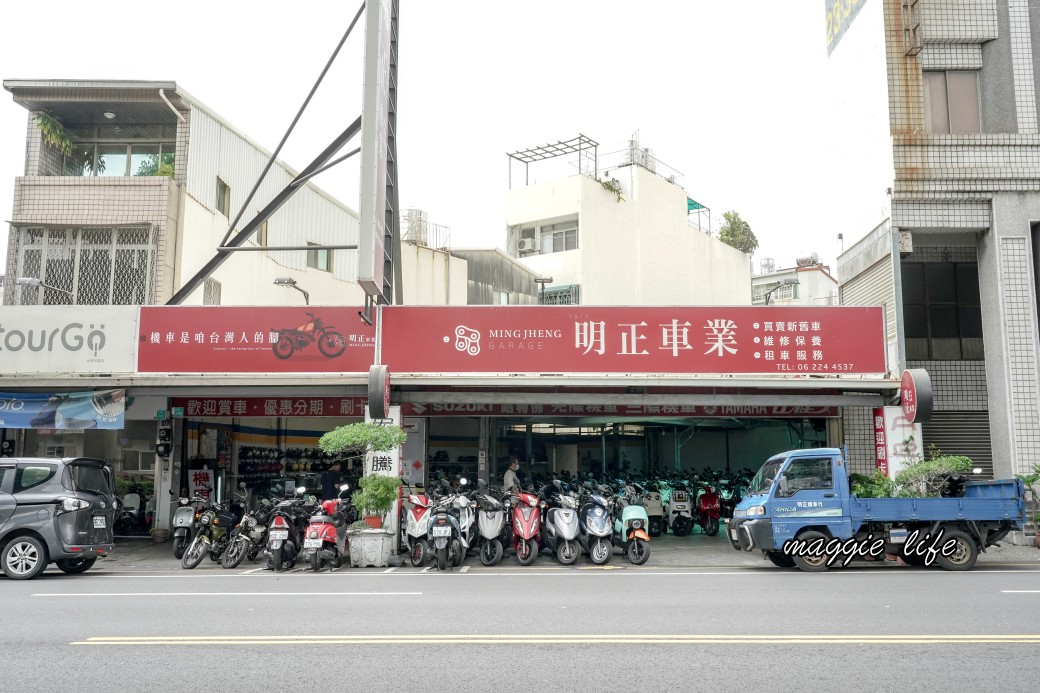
(312, 543)
(733, 534)
(442, 531)
(99, 522)
(279, 534)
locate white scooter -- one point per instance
(183, 522)
(491, 522)
(680, 511)
(417, 527)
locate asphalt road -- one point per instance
(544, 628)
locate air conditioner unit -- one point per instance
(525, 245)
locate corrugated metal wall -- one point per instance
(961, 433)
(488, 272)
(214, 150)
(874, 287)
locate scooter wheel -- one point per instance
(638, 552)
(567, 552)
(491, 552)
(442, 558)
(418, 554)
(656, 527)
(601, 551)
(711, 528)
(530, 548)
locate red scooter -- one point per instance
(325, 539)
(527, 527)
(708, 511)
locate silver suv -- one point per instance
(54, 511)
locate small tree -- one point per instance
(737, 233)
(376, 492)
(1032, 482)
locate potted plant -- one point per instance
(1032, 482)
(376, 492)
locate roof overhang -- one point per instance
(85, 102)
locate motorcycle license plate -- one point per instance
(442, 531)
(99, 521)
(279, 534)
(312, 543)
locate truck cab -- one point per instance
(791, 491)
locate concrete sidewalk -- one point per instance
(667, 551)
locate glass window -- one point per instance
(111, 159)
(951, 102)
(942, 315)
(32, 475)
(915, 321)
(81, 161)
(809, 473)
(144, 160)
(913, 282)
(319, 258)
(939, 282)
(223, 201)
(3, 470)
(88, 477)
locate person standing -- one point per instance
(510, 482)
(330, 482)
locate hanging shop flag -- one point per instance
(63, 410)
(219, 339)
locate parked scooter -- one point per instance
(680, 515)
(283, 532)
(325, 539)
(654, 510)
(561, 524)
(417, 529)
(595, 527)
(215, 523)
(708, 511)
(446, 536)
(184, 521)
(527, 529)
(491, 522)
(248, 536)
(630, 522)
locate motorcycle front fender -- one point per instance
(181, 532)
(638, 534)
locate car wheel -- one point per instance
(23, 558)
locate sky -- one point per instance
(739, 97)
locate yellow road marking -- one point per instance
(626, 639)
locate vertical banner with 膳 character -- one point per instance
(63, 410)
(387, 463)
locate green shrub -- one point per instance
(877, 485)
(377, 494)
(924, 479)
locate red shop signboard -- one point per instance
(217, 339)
(217, 407)
(826, 340)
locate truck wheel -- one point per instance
(964, 554)
(812, 564)
(780, 559)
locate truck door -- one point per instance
(806, 489)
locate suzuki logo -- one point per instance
(466, 340)
(418, 408)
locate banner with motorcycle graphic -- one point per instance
(63, 410)
(217, 339)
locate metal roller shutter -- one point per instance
(962, 433)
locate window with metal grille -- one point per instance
(942, 317)
(319, 258)
(562, 296)
(211, 293)
(87, 266)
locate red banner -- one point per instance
(217, 407)
(216, 339)
(580, 339)
(880, 441)
(558, 410)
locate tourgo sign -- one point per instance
(73, 339)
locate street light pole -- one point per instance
(289, 282)
(37, 283)
(780, 284)
(542, 281)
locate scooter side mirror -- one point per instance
(462, 481)
(241, 485)
(344, 487)
(171, 491)
(300, 490)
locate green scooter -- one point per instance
(630, 527)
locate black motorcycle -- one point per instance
(214, 532)
(285, 529)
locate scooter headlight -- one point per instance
(637, 524)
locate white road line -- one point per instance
(1020, 591)
(389, 570)
(249, 572)
(464, 569)
(426, 569)
(228, 594)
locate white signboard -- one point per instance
(67, 339)
(386, 463)
(413, 452)
(903, 440)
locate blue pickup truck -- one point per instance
(799, 511)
